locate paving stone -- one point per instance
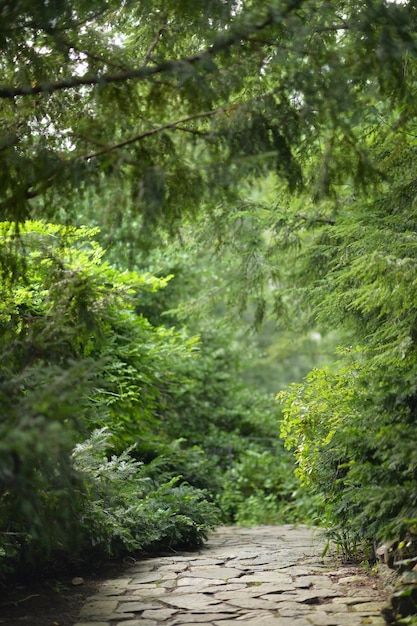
(167, 584)
(93, 624)
(258, 560)
(367, 608)
(354, 592)
(138, 622)
(295, 570)
(158, 614)
(293, 609)
(99, 609)
(174, 567)
(155, 592)
(255, 592)
(198, 618)
(191, 601)
(99, 597)
(113, 617)
(333, 619)
(316, 580)
(218, 572)
(264, 576)
(334, 608)
(252, 603)
(352, 600)
(268, 621)
(135, 607)
(148, 577)
(356, 578)
(195, 581)
(302, 596)
(206, 562)
(187, 623)
(216, 589)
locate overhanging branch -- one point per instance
(224, 42)
(33, 192)
(149, 133)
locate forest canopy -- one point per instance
(255, 155)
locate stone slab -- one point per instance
(99, 609)
(135, 607)
(263, 576)
(138, 622)
(93, 624)
(195, 581)
(269, 621)
(218, 572)
(158, 614)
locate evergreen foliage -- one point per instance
(181, 102)
(158, 120)
(127, 510)
(353, 426)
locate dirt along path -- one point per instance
(263, 576)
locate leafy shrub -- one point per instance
(260, 488)
(354, 442)
(190, 465)
(74, 356)
(125, 510)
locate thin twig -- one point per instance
(149, 133)
(16, 602)
(153, 45)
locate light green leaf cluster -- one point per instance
(313, 412)
(74, 355)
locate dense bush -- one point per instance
(230, 438)
(353, 426)
(75, 356)
(260, 488)
(127, 510)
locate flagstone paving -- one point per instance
(263, 576)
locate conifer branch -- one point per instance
(153, 44)
(223, 43)
(316, 220)
(31, 193)
(149, 133)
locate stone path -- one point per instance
(263, 576)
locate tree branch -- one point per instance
(315, 219)
(149, 133)
(153, 45)
(33, 192)
(224, 42)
